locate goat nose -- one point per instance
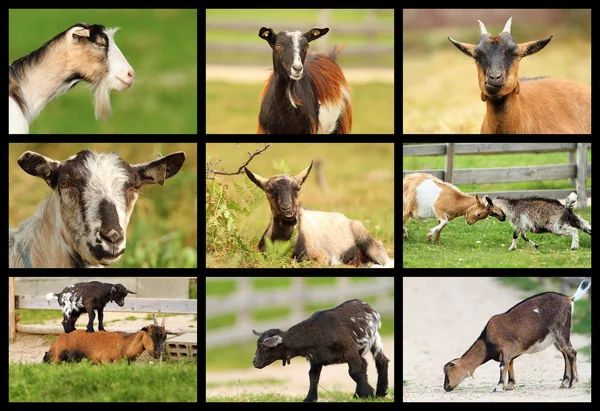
(495, 75)
(297, 67)
(113, 236)
(131, 74)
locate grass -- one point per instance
(233, 108)
(172, 382)
(324, 396)
(160, 44)
(162, 231)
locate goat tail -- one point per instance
(583, 289)
(570, 201)
(51, 296)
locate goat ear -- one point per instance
(40, 166)
(256, 179)
(76, 34)
(268, 35)
(315, 33)
(301, 177)
(273, 341)
(488, 201)
(477, 200)
(468, 49)
(161, 168)
(532, 47)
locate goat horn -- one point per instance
(162, 323)
(507, 27)
(256, 332)
(130, 292)
(155, 322)
(482, 27)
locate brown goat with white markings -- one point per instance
(525, 105)
(528, 327)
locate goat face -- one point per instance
(93, 197)
(282, 193)
(118, 293)
(269, 348)
(154, 338)
(453, 374)
(476, 212)
(494, 210)
(497, 59)
(289, 49)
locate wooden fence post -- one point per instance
(449, 171)
(572, 160)
(581, 174)
(12, 330)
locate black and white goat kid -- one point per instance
(343, 334)
(85, 298)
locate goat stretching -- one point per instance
(106, 347)
(84, 220)
(87, 297)
(83, 52)
(525, 106)
(343, 334)
(307, 92)
(328, 238)
(543, 215)
(528, 327)
(426, 196)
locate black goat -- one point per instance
(343, 334)
(85, 298)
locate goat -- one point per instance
(343, 334)
(106, 347)
(307, 92)
(543, 215)
(83, 52)
(83, 222)
(87, 297)
(328, 238)
(426, 196)
(528, 327)
(525, 106)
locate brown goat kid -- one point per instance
(106, 347)
(525, 106)
(529, 327)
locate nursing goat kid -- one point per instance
(307, 92)
(104, 347)
(543, 215)
(529, 327)
(344, 334)
(83, 52)
(525, 105)
(426, 196)
(83, 222)
(328, 238)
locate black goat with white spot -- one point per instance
(343, 334)
(85, 298)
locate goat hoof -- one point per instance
(429, 237)
(310, 399)
(510, 386)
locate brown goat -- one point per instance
(106, 347)
(525, 106)
(528, 327)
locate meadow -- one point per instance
(161, 45)
(360, 178)
(162, 230)
(440, 92)
(485, 244)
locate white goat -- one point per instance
(81, 53)
(83, 222)
(426, 196)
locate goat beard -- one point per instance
(286, 359)
(102, 105)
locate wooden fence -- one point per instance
(245, 299)
(576, 170)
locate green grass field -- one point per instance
(118, 382)
(324, 396)
(161, 46)
(162, 230)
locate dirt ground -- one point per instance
(30, 348)
(442, 317)
(294, 377)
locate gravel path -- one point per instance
(444, 316)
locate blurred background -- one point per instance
(160, 45)
(238, 63)
(237, 305)
(163, 227)
(440, 89)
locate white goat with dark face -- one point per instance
(83, 222)
(83, 52)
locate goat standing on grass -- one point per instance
(83, 52)
(307, 92)
(85, 298)
(83, 222)
(543, 215)
(525, 105)
(344, 334)
(328, 238)
(426, 196)
(529, 327)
